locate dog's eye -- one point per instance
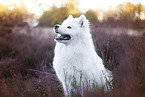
(69, 27)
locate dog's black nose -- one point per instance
(56, 26)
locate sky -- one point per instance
(84, 5)
(104, 4)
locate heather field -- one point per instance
(26, 56)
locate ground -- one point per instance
(26, 56)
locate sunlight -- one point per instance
(38, 6)
(103, 4)
(10, 2)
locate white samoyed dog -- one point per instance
(77, 65)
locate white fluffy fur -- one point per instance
(76, 62)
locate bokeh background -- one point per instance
(27, 45)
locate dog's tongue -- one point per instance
(62, 37)
(59, 37)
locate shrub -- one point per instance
(26, 65)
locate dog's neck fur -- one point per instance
(75, 44)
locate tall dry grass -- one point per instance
(124, 55)
(26, 65)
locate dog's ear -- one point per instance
(70, 17)
(82, 20)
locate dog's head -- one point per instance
(72, 29)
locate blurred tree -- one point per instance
(127, 14)
(12, 14)
(53, 16)
(72, 6)
(130, 15)
(139, 22)
(139, 10)
(92, 17)
(57, 15)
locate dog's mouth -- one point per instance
(62, 37)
